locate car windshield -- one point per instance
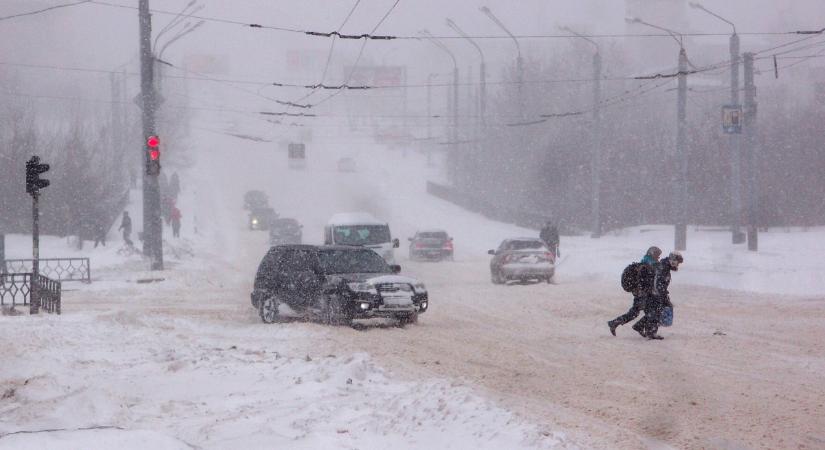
(285, 224)
(352, 261)
(362, 234)
(524, 245)
(432, 235)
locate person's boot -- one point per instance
(639, 329)
(612, 326)
(655, 336)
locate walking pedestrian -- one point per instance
(550, 235)
(175, 218)
(661, 296)
(100, 233)
(126, 226)
(643, 290)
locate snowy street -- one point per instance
(526, 366)
(412, 225)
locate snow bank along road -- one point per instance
(187, 363)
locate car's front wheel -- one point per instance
(268, 309)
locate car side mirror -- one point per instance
(395, 268)
(396, 243)
(491, 252)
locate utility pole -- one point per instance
(152, 225)
(680, 189)
(750, 125)
(429, 120)
(596, 151)
(735, 147)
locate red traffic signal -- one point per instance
(153, 163)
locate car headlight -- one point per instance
(420, 288)
(254, 221)
(362, 287)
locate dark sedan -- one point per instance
(431, 245)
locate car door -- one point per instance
(300, 280)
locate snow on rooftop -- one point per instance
(355, 218)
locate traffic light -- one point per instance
(153, 160)
(33, 171)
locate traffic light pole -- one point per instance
(152, 225)
(680, 189)
(34, 298)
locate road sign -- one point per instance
(732, 119)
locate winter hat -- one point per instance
(654, 252)
(675, 259)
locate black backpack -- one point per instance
(631, 278)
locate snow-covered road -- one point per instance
(186, 362)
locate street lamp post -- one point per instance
(454, 132)
(734, 140)
(482, 69)
(680, 182)
(519, 61)
(596, 151)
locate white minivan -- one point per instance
(363, 230)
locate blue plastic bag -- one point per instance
(666, 318)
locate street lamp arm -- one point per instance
(591, 41)
(178, 36)
(699, 6)
(440, 45)
(673, 34)
(461, 33)
(183, 14)
(495, 20)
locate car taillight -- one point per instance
(550, 256)
(419, 245)
(448, 245)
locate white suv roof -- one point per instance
(354, 218)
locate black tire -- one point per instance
(334, 312)
(268, 309)
(408, 319)
(496, 278)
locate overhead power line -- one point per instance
(372, 36)
(39, 11)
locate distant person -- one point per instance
(643, 290)
(661, 296)
(175, 218)
(100, 233)
(550, 235)
(126, 226)
(174, 186)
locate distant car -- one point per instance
(261, 218)
(285, 231)
(431, 245)
(337, 284)
(346, 165)
(255, 199)
(522, 259)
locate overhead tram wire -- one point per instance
(369, 36)
(361, 53)
(40, 11)
(330, 53)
